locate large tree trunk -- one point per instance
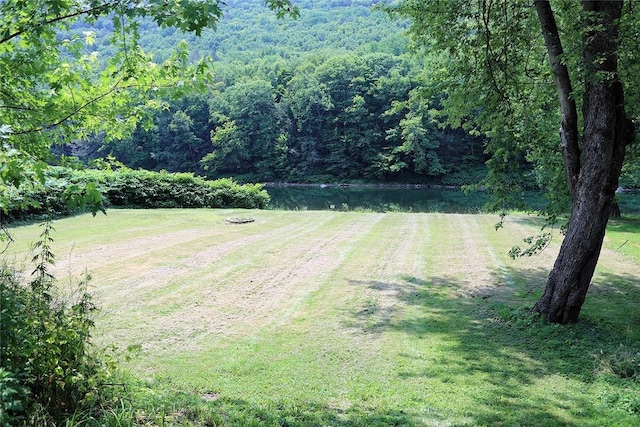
(607, 131)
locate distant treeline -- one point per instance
(329, 97)
(325, 118)
(332, 96)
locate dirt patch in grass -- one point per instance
(268, 281)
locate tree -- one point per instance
(177, 140)
(247, 132)
(308, 103)
(361, 90)
(417, 142)
(499, 83)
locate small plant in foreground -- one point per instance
(521, 317)
(11, 396)
(48, 368)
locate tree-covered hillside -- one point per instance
(329, 96)
(249, 31)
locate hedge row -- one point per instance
(141, 189)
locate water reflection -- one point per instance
(400, 199)
(375, 198)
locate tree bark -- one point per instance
(606, 133)
(569, 135)
(615, 210)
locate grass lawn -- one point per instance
(353, 319)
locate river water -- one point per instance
(374, 198)
(398, 199)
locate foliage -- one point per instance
(339, 117)
(490, 56)
(246, 130)
(12, 395)
(55, 88)
(144, 189)
(487, 52)
(51, 97)
(66, 190)
(250, 32)
(499, 76)
(536, 244)
(330, 96)
(80, 86)
(48, 366)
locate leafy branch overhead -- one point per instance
(77, 88)
(54, 88)
(71, 89)
(71, 79)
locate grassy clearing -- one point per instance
(352, 319)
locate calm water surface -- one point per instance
(400, 199)
(374, 198)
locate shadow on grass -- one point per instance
(614, 301)
(180, 408)
(512, 368)
(520, 358)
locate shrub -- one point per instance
(69, 191)
(145, 189)
(624, 363)
(48, 367)
(12, 395)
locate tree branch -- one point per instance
(5, 232)
(75, 111)
(569, 135)
(56, 19)
(16, 107)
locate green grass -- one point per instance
(352, 319)
(622, 237)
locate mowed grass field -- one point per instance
(353, 319)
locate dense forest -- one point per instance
(331, 96)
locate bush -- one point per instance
(12, 395)
(69, 191)
(145, 189)
(48, 367)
